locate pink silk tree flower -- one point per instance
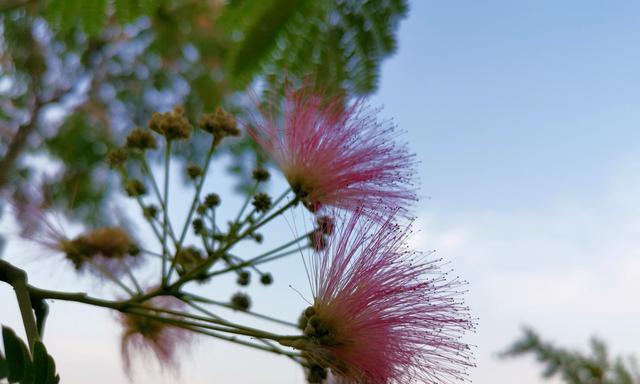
(103, 250)
(380, 314)
(336, 155)
(144, 336)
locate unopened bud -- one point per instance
(117, 157)
(317, 240)
(266, 279)
(141, 139)
(212, 200)
(220, 123)
(326, 224)
(135, 187)
(150, 212)
(244, 278)
(262, 202)
(172, 125)
(198, 226)
(240, 301)
(260, 174)
(194, 171)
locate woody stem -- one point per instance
(17, 278)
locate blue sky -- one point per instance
(524, 116)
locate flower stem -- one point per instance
(263, 258)
(147, 169)
(225, 305)
(139, 289)
(111, 277)
(165, 209)
(194, 202)
(222, 326)
(142, 310)
(79, 297)
(270, 346)
(275, 203)
(202, 267)
(246, 202)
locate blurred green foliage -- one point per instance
(76, 74)
(24, 367)
(575, 367)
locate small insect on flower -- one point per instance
(335, 153)
(144, 336)
(380, 314)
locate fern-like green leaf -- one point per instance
(339, 42)
(261, 38)
(16, 360)
(20, 367)
(4, 369)
(94, 16)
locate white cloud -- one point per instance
(571, 270)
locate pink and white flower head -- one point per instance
(144, 336)
(336, 155)
(380, 315)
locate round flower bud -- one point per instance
(134, 250)
(244, 278)
(141, 139)
(266, 279)
(172, 125)
(117, 157)
(220, 123)
(187, 259)
(260, 174)
(262, 202)
(135, 187)
(326, 224)
(317, 240)
(150, 212)
(198, 226)
(316, 374)
(194, 171)
(240, 301)
(212, 200)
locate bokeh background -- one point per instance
(524, 118)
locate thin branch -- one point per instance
(202, 267)
(194, 202)
(165, 208)
(228, 306)
(271, 347)
(19, 141)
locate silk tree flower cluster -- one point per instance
(336, 154)
(380, 313)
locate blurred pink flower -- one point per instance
(379, 314)
(143, 336)
(102, 250)
(337, 155)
